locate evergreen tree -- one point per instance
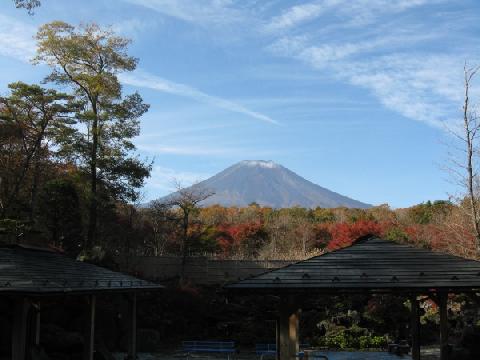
(88, 60)
(31, 117)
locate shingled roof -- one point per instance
(372, 264)
(33, 271)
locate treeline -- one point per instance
(296, 233)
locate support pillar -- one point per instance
(288, 331)
(442, 305)
(277, 338)
(89, 336)
(36, 339)
(415, 328)
(132, 327)
(19, 332)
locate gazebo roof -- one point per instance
(42, 272)
(372, 264)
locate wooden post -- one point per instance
(442, 304)
(19, 331)
(132, 327)
(415, 328)
(277, 338)
(89, 337)
(37, 324)
(288, 331)
(294, 333)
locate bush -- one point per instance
(369, 342)
(339, 341)
(347, 340)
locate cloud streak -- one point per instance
(16, 39)
(352, 13)
(145, 80)
(299, 14)
(184, 150)
(209, 12)
(163, 178)
(420, 87)
(204, 149)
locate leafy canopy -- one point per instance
(88, 60)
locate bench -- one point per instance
(219, 347)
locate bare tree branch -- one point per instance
(465, 170)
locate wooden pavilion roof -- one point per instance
(375, 265)
(26, 270)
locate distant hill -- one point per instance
(269, 184)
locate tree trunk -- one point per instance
(34, 191)
(470, 137)
(92, 223)
(185, 244)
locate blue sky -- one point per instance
(353, 95)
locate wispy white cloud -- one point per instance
(133, 27)
(16, 39)
(164, 178)
(299, 14)
(166, 133)
(387, 61)
(320, 55)
(146, 80)
(192, 150)
(352, 13)
(289, 45)
(203, 149)
(363, 12)
(303, 104)
(420, 87)
(209, 12)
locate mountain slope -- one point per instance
(269, 184)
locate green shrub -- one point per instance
(368, 342)
(339, 341)
(349, 340)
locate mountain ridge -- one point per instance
(268, 184)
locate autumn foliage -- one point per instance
(344, 234)
(235, 236)
(256, 232)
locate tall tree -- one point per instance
(465, 168)
(31, 117)
(88, 60)
(471, 126)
